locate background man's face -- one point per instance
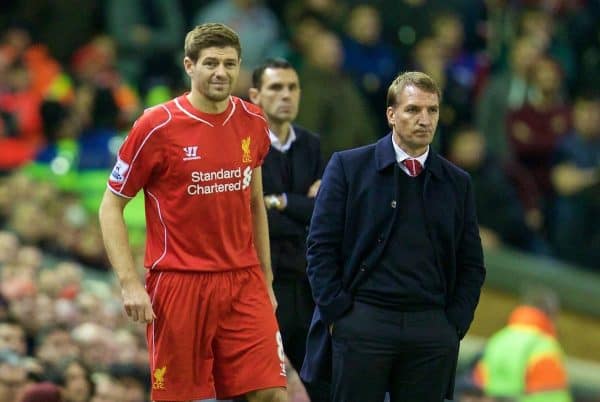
(279, 94)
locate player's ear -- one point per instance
(188, 65)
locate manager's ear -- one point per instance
(390, 114)
(254, 95)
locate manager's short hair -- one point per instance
(411, 78)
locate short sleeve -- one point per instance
(138, 157)
(264, 143)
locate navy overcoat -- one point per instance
(352, 221)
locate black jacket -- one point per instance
(292, 173)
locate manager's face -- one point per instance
(414, 119)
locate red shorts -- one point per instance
(215, 335)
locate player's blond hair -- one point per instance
(210, 35)
(414, 78)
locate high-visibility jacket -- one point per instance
(524, 360)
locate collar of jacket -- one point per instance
(385, 157)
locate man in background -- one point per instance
(524, 360)
(291, 177)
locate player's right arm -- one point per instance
(114, 233)
(140, 155)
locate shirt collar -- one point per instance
(275, 143)
(401, 155)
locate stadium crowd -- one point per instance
(521, 114)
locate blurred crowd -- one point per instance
(64, 337)
(520, 113)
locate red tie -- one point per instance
(414, 166)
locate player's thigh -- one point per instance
(277, 394)
(180, 338)
(248, 349)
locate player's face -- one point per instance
(279, 94)
(215, 72)
(414, 119)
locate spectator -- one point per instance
(535, 129)
(576, 179)
(326, 112)
(9, 246)
(464, 69)
(370, 61)
(259, 30)
(13, 376)
(12, 337)
(431, 57)
(95, 66)
(500, 214)
(48, 18)
(107, 389)
(147, 35)
(545, 29)
(582, 24)
(332, 13)
(524, 359)
(54, 344)
(506, 90)
(134, 381)
(73, 377)
(42, 392)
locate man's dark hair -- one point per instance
(258, 72)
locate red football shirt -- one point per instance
(195, 169)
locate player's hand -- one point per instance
(314, 188)
(272, 296)
(137, 303)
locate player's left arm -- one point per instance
(260, 228)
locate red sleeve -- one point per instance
(140, 154)
(264, 143)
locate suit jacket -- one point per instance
(352, 221)
(292, 172)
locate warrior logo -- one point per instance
(191, 153)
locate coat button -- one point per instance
(394, 204)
